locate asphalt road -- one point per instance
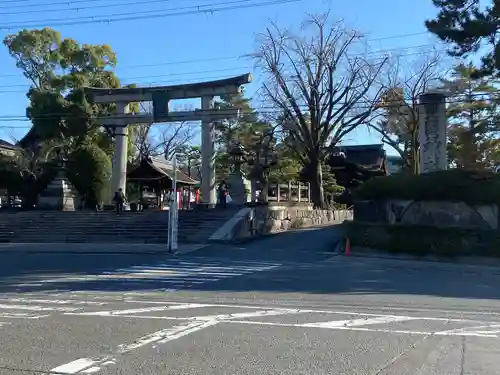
(282, 305)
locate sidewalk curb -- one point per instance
(463, 261)
(93, 249)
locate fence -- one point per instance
(291, 192)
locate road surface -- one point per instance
(283, 305)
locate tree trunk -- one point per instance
(316, 183)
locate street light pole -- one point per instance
(173, 212)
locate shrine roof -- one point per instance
(157, 169)
(7, 145)
(369, 157)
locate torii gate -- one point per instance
(161, 96)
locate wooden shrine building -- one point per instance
(155, 174)
(352, 165)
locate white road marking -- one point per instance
(142, 310)
(363, 329)
(91, 370)
(21, 316)
(360, 322)
(38, 308)
(179, 274)
(74, 367)
(247, 315)
(84, 365)
(490, 330)
(52, 301)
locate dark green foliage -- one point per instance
(26, 174)
(467, 25)
(421, 241)
(58, 69)
(456, 185)
(89, 170)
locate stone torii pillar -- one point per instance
(432, 132)
(208, 188)
(119, 172)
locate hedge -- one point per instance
(423, 240)
(456, 185)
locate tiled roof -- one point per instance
(368, 156)
(5, 144)
(165, 167)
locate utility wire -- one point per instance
(359, 106)
(78, 8)
(135, 16)
(234, 57)
(381, 52)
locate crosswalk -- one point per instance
(16, 311)
(173, 274)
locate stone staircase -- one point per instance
(106, 227)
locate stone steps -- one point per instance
(106, 227)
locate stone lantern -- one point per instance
(237, 182)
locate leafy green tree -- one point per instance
(468, 25)
(58, 69)
(472, 112)
(89, 170)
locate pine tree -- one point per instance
(468, 26)
(472, 112)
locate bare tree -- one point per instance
(403, 82)
(152, 140)
(321, 90)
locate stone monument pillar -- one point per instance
(59, 194)
(432, 132)
(208, 188)
(119, 173)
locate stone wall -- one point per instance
(277, 217)
(261, 219)
(439, 214)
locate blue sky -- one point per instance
(195, 46)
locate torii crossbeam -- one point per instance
(161, 96)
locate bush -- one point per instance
(456, 185)
(421, 240)
(89, 170)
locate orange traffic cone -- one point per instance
(347, 247)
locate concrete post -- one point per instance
(208, 188)
(119, 173)
(432, 132)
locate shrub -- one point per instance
(422, 240)
(456, 185)
(89, 170)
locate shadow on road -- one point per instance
(286, 263)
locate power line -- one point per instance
(400, 49)
(134, 16)
(42, 4)
(125, 14)
(157, 76)
(360, 105)
(79, 8)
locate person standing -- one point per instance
(119, 200)
(222, 191)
